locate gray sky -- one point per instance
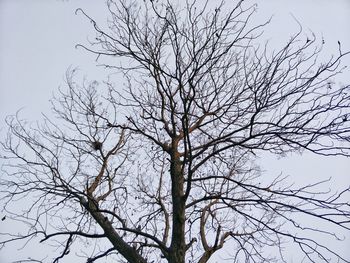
(37, 45)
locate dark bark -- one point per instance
(127, 251)
(177, 248)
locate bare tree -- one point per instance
(162, 166)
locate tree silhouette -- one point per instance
(161, 167)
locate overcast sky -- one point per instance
(37, 45)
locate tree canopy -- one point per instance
(160, 167)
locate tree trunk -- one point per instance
(178, 244)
